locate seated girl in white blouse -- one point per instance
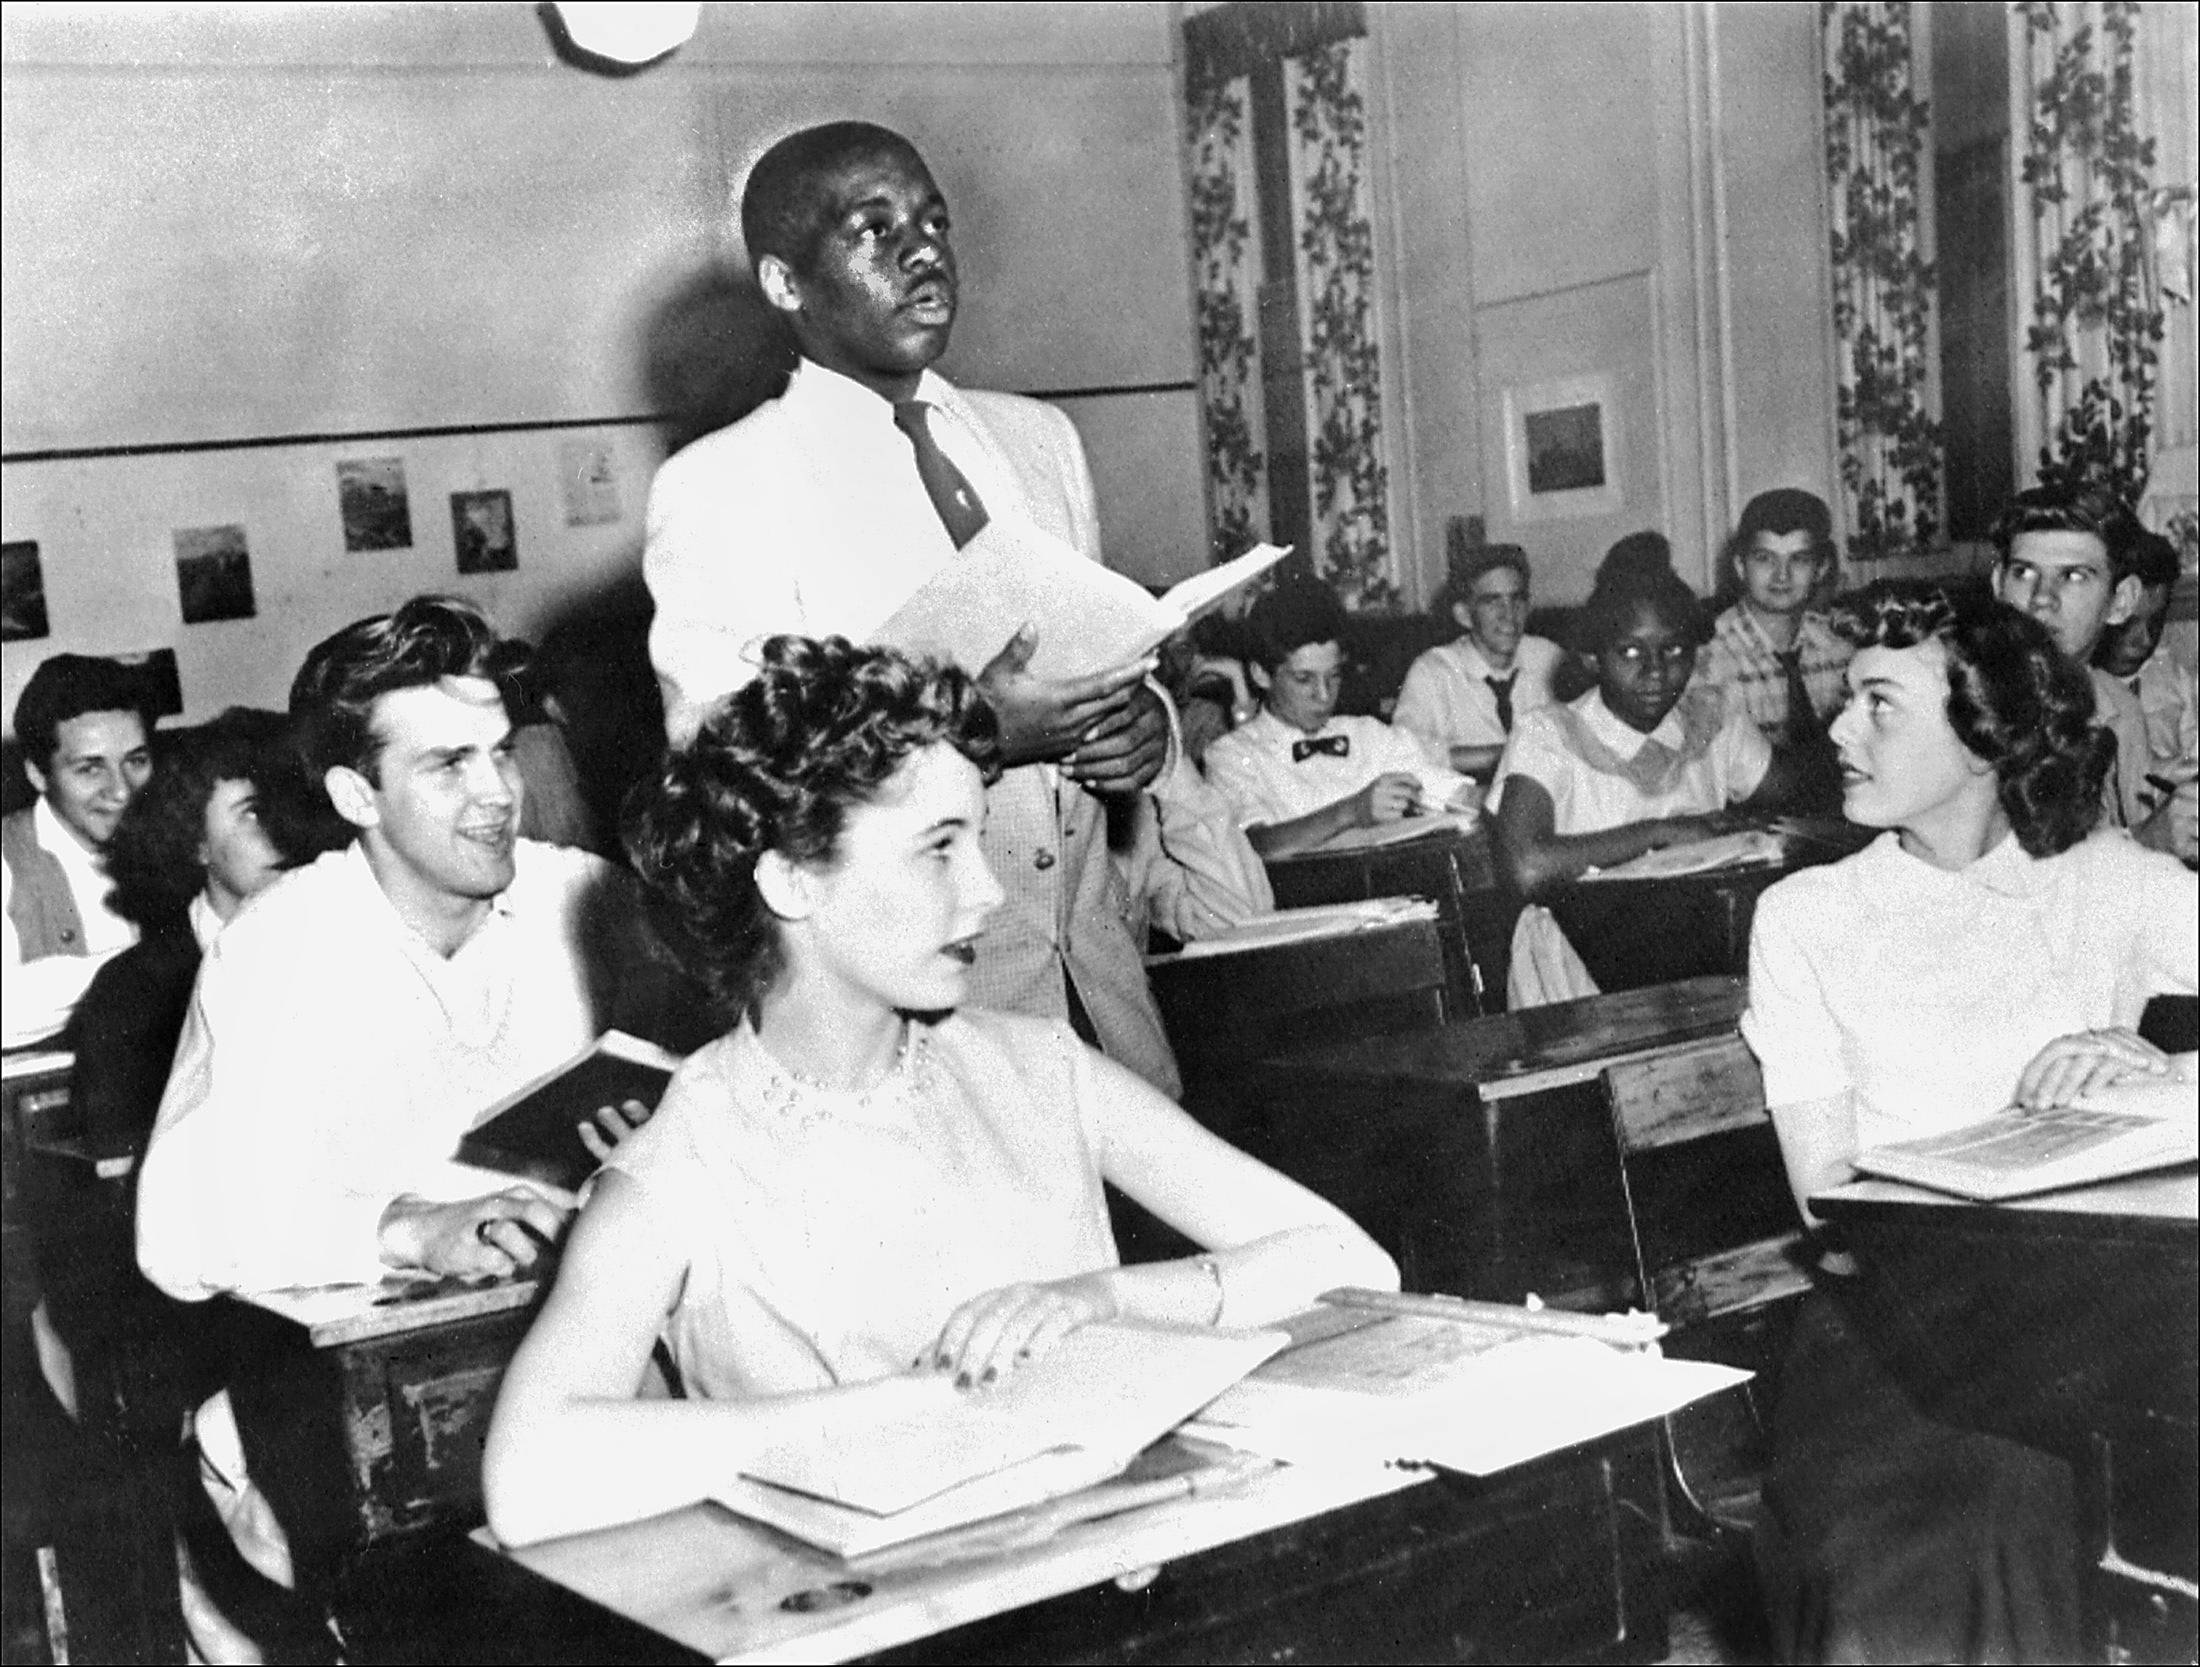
(1640, 762)
(1988, 947)
(858, 1185)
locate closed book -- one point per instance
(535, 1130)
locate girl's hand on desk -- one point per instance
(991, 1335)
(2071, 1067)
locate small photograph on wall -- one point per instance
(1561, 456)
(370, 492)
(22, 592)
(213, 574)
(591, 483)
(482, 532)
(156, 669)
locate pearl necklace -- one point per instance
(787, 1093)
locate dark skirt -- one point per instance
(1889, 1537)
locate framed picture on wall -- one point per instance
(482, 532)
(1562, 449)
(22, 591)
(371, 498)
(213, 574)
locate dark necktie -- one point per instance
(1336, 746)
(961, 510)
(1502, 688)
(1802, 720)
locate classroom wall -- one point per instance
(243, 245)
(1625, 193)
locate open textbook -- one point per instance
(941, 1456)
(535, 1129)
(2151, 1123)
(1088, 618)
(1462, 1386)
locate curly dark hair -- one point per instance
(1623, 587)
(824, 725)
(1297, 612)
(2014, 699)
(154, 857)
(67, 686)
(426, 640)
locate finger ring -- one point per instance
(481, 1229)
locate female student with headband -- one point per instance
(1989, 947)
(858, 1184)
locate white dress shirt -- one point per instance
(1447, 701)
(332, 1060)
(1718, 758)
(37, 997)
(1926, 992)
(1253, 767)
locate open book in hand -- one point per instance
(2149, 1123)
(942, 1457)
(1088, 618)
(535, 1130)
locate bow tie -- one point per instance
(1336, 746)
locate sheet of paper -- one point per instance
(1751, 848)
(1400, 832)
(1321, 920)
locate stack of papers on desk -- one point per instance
(1751, 848)
(2124, 1130)
(1321, 920)
(1477, 1398)
(943, 1457)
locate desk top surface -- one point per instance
(734, 1591)
(2170, 1197)
(332, 1315)
(1538, 1046)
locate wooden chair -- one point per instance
(1716, 1243)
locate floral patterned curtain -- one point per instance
(1227, 277)
(2084, 229)
(1338, 326)
(1283, 247)
(1883, 290)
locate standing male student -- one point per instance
(824, 510)
(87, 749)
(2069, 558)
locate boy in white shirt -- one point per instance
(1461, 697)
(1296, 773)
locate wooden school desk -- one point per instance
(2072, 1322)
(363, 1411)
(1479, 1154)
(1635, 933)
(1555, 1561)
(1450, 868)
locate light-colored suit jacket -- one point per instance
(808, 516)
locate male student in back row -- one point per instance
(1297, 774)
(2069, 558)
